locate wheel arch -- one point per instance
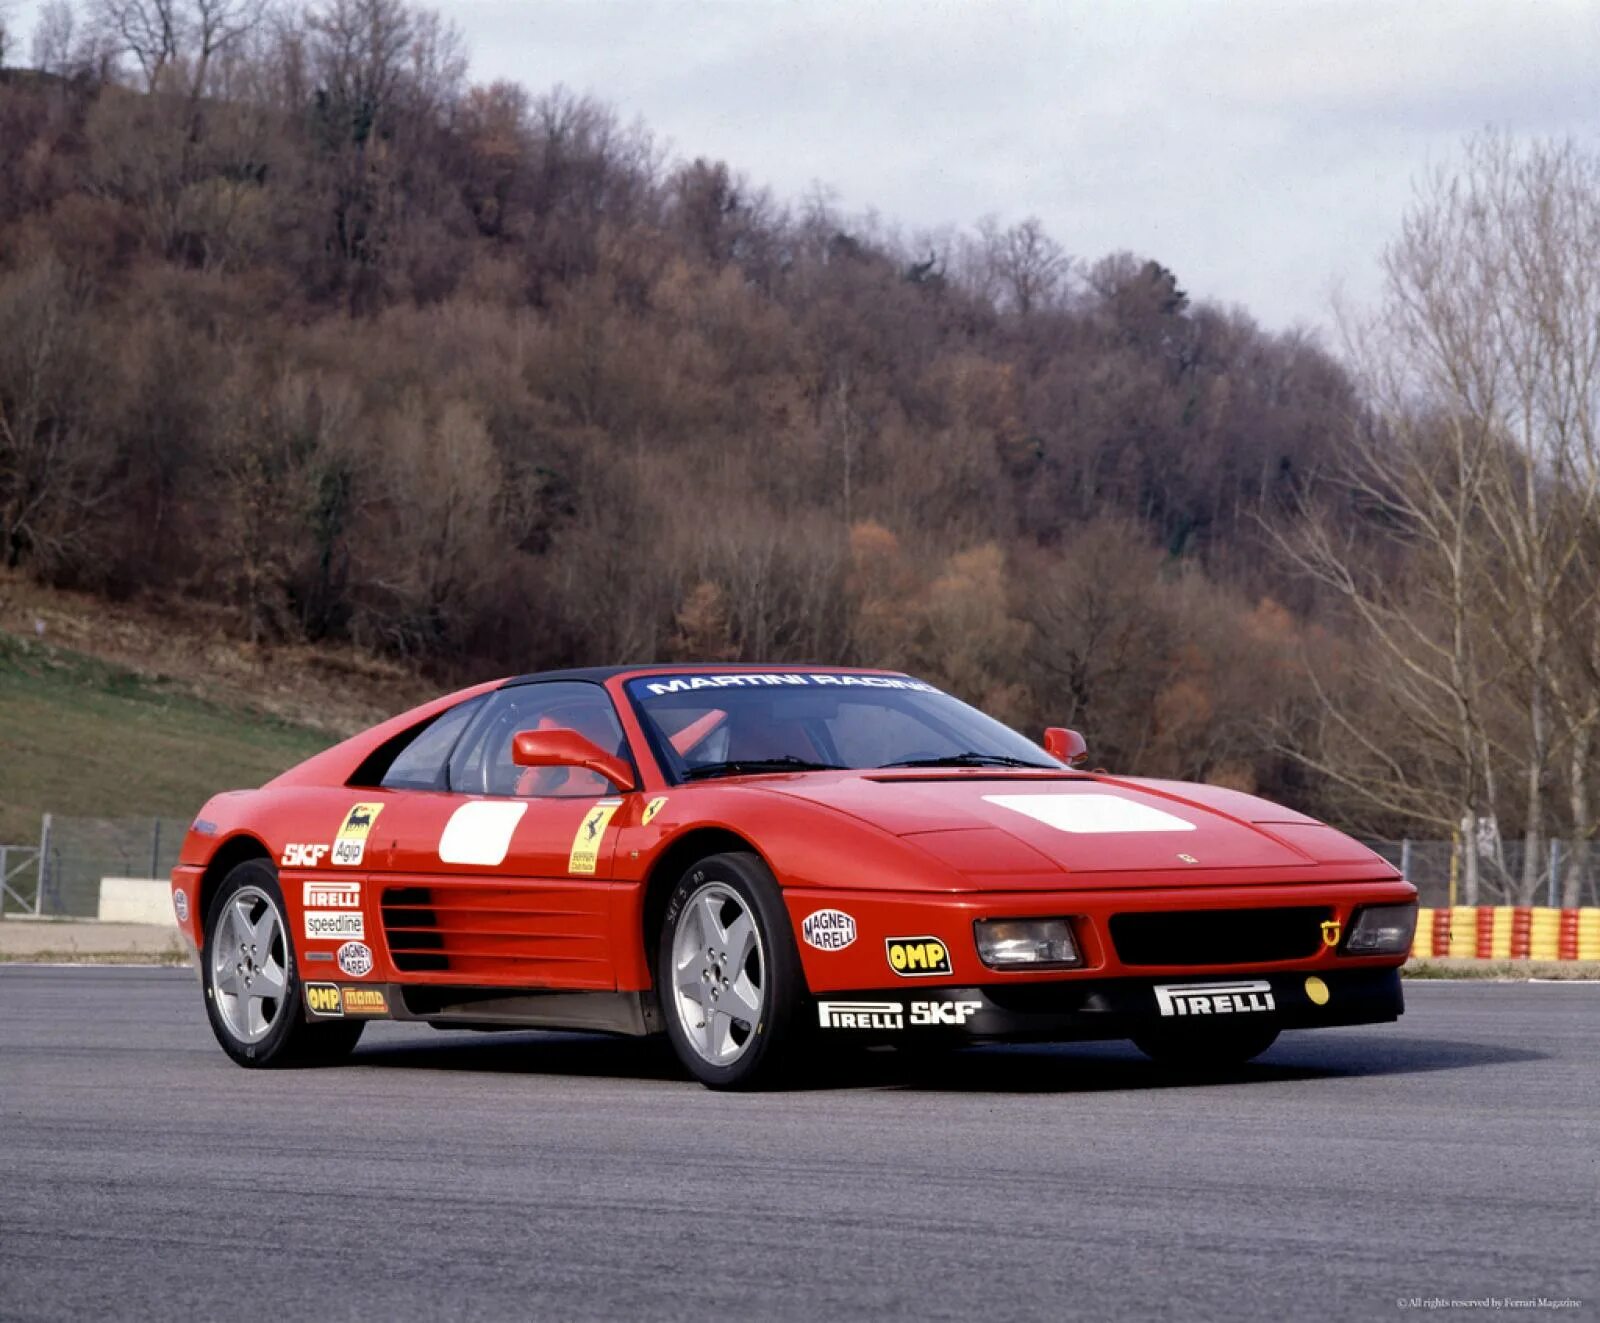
(229, 855)
(671, 864)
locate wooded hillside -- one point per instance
(296, 318)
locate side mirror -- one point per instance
(567, 748)
(1064, 745)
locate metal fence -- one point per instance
(59, 876)
(60, 873)
(1439, 870)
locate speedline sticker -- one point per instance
(585, 856)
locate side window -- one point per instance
(420, 764)
(481, 764)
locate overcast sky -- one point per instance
(1263, 151)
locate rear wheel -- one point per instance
(251, 984)
(728, 974)
(1207, 1047)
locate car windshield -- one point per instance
(704, 726)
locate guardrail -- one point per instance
(1508, 932)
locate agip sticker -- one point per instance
(350, 845)
(585, 856)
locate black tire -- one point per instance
(770, 1048)
(1206, 1047)
(289, 1039)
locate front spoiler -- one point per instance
(1113, 1008)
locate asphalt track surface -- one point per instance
(1455, 1155)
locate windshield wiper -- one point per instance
(741, 766)
(970, 760)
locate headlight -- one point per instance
(1382, 930)
(1026, 943)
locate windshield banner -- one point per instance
(682, 684)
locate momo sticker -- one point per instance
(350, 845)
(1091, 815)
(480, 832)
(591, 834)
(828, 930)
(364, 1001)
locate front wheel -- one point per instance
(1208, 1047)
(251, 984)
(728, 974)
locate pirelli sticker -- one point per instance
(350, 845)
(585, 856)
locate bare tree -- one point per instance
(1484, 470)
(53, 49)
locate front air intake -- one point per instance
(1218, 937)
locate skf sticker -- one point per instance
(651, 809)
(1317, 990)
(892, 1014)
(365, 1001)
(302, 856)
(828, 930)
(334, 925)
(355, 959)
(1330, 932)
(585, 855)
(917, 957)
(323, 999)
(1238, 998)
(350, 845)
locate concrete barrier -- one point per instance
(136, 900)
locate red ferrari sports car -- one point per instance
(761, 861)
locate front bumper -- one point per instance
(1106, 1008)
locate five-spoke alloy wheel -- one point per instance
(729, 974)
(251, 985)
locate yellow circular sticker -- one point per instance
(1317, 990)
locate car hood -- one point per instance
(1080, 823)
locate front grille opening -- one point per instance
(1219, 937)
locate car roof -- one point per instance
(600, 674)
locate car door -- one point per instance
(500, 876)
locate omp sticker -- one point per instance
(334, 925)
(1241, 997)
(365, 1001)
(585, 856)
(651, 809)
(323, 999)
(355, 959)
(1091, 815)
(917, 957)
(331, 896)
(828, 930)
(480, 832)
(350, 845)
